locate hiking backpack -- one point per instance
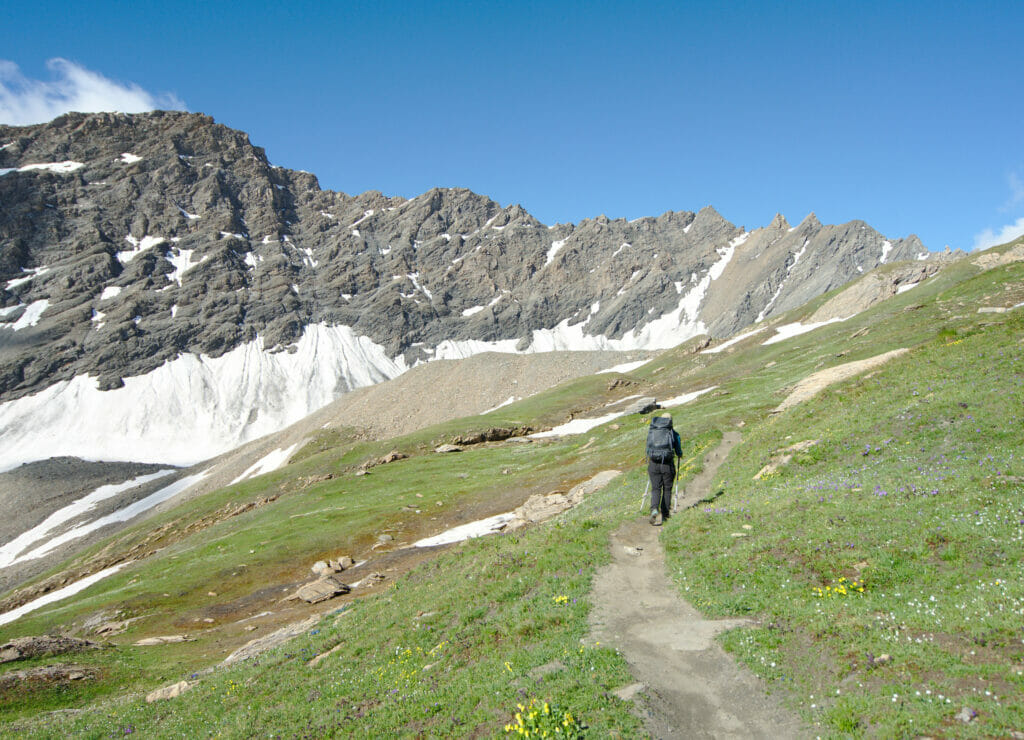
(660, 438)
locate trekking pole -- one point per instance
(643, 499)
(675, 496)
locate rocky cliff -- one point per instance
(135, 245)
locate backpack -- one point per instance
(660, 439)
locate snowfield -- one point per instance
(193, 407)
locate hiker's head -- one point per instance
(667, 415)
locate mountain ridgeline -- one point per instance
(130, 241)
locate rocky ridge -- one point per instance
(164, 252)
(157, 234)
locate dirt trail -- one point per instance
(693, 689)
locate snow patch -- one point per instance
(129, 158)
(61, 168)
(31, 316)
(267, 464)
(11, 284)
(792, 330)
(904, 288)
(414, 278)
(139, 247)
(121, 515)
(186, 214)
(60, 594)
(479, 528)
(735, 340)
(577, 426)
(182, 262)
(556, 246)
(507, 402)
(5, 312)
(624, 245)
(686, 397)
(472, 310)
(624, 367)
(366, 215)
(886, 248)
(111, 291)
(9, 552)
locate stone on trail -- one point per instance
(168, 692)
(24, 648)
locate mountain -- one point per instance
(167, 294)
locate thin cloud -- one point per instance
(990, 238)
(1016, 192)
(25, 101)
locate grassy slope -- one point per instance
(494, 601)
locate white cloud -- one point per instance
(73, 88)
(989, 238)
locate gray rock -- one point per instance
(25, 648)
(46, 675)
(322, 589)
(445, 448)
(168, 692)
(966, 715)
(642, 406)
(269, 253)
(275, 638)
(322, 568)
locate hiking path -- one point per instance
(691, 688)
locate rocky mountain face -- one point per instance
(133, 245)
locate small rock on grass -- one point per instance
(163, 640)
(168, 692)
(442, 449)
(966, 715)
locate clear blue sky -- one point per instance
(907, 115)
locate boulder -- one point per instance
(322, 589)
(168, 692)
(46, 675)
(442, 449)
(322, 568)
(24, 648)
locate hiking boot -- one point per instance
(654, 517)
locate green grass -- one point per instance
(914, 488)
(449, 650)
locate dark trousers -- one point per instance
(662, 476)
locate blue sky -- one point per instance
(906, 115)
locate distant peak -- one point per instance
(779, 222)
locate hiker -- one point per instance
(663, 446)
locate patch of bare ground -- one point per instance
(814, 383)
